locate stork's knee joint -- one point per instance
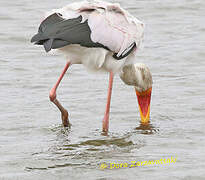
(52, 95)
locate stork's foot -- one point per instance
(105, 123)
(64, 113)
(105, 126)
(64, 117)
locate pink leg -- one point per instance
(107, 111)
(52, 96)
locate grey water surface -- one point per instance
(33, 143)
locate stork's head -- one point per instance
(139, 76)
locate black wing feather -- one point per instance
(126, 52)
(56, 32)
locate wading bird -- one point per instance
(103, 37)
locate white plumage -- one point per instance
(103, 37)
(137, 75)
(111, 26)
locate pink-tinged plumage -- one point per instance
(111, 26)
(120, 33)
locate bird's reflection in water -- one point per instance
(146, 129)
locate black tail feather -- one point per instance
(48, 45)
(50, 20)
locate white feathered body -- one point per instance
(111, 26)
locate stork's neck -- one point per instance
(137, 75)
